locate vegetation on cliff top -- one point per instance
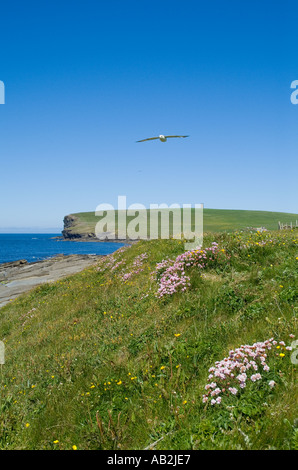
(101, 360)
(215, 220)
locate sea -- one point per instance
(40, 246)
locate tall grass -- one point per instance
(98, 361)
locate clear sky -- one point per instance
(85, 79)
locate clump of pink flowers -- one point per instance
(111, 261)
(171, 274)
(136, 267)
(244, 365)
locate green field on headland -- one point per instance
(155, 348)
(214, 220)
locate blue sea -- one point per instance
(40, 246)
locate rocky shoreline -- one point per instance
(20, 276)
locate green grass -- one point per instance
(215, 220)
(100, 363)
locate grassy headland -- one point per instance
(98, 360)
(215, 220)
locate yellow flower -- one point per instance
(56, 442)
(162, 367)
(119, 383)
(74, 447)
(27, 425)
(281, 355)
(177, 334)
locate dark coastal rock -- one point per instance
(69, 235)
(14, 263)
(69, 221)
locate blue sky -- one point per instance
(85, 80)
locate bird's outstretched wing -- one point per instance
(169, 136)
(150, 138)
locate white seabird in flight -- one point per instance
(162, 138)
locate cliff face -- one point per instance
(74, 230)
(81, 226)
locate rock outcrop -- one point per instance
(74, 229)
(20, 276)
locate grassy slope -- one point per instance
(215, 220)
(100, 366)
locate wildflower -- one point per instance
(255, 377)
(272, 383)
(74, 447)
(27, 425)
(56, 442)
(235, 369)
